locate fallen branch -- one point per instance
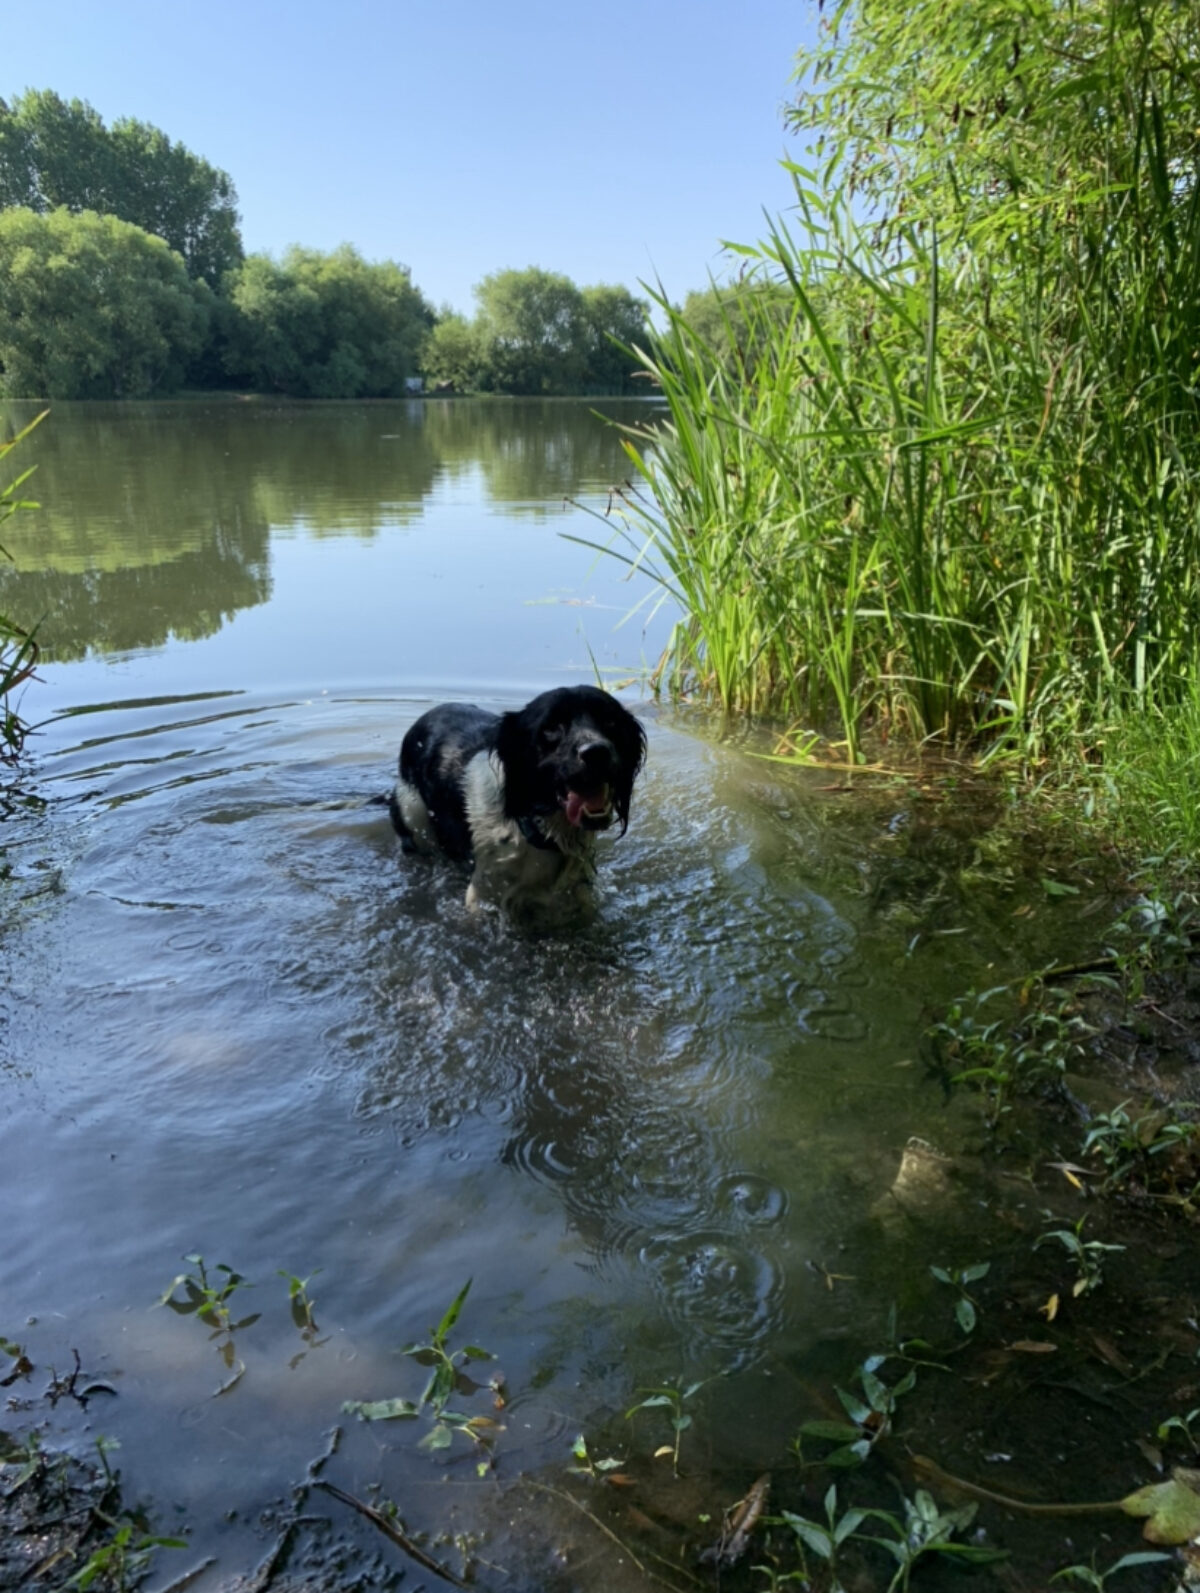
(392, 1531)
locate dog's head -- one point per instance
(575, 751)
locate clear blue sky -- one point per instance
(614, 142)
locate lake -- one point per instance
(667, 1149)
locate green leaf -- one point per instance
(439, 1437)
(452, 1310)
(1053, 887)
(964, 1313)
(380, 1410)
(817, 1538)
(1172, 1508)
(836, 1432)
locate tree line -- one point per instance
(122, 274)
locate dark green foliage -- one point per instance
(325, 325)
(56, 153)
(93, 307)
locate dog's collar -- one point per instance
(535, 836)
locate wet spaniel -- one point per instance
(519, 796)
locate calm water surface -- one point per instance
(235, 1022)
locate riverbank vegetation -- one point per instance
(122, 274)
(933, 471)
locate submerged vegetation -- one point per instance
(936, 470)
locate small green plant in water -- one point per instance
(302, 1307)
(824, 1540)
(1098, 1580)
(587, 1466)
(966, 1312)
(208, 1301)
(928, 1529)
(21, 1364)
(870, 1416)
(1004, 1060)
(1186, 1428)
(669, 1397)
(1087, 1255)
(1152, 1149)
(447, 1377)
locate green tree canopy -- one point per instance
(55, 152)
(614, 321)
(452, 356)
(530, 331)
(92, 307)
(326, 325)
(536, 332)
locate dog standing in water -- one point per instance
(520, 796)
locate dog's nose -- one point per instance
(596, 756)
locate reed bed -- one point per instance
(940, 477)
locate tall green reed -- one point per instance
(943, 475)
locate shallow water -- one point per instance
(237, 1023)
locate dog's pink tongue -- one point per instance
(576, 806)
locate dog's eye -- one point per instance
(550, 737)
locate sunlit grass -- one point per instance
(937, 490)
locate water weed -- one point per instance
(1098, 1580)
(670, 1397)
(870, 1417)
(1086, 1255)
(446, 1378)
(965, 1308)
(208, 1301)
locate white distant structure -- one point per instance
(414, 384)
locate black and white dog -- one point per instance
(519, 795)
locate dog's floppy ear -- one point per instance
(629, 738)
(517, 752)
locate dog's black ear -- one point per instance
(629, 738)
(517, 751)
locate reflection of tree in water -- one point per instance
(535, 452)
(157, 517)
(113, 611)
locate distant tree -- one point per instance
(320, 325)
(530, 326)
(55, 152)
(452, 354)
(92, 307)
(737, 320)
(613, 321)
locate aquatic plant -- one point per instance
(209, 1303)
(669, 1397)
(1086, 1255)
(1098, 1580)
(957, 1278)
(18, 649)
(446, 1378)
(924, 1529)
(870, 1416)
